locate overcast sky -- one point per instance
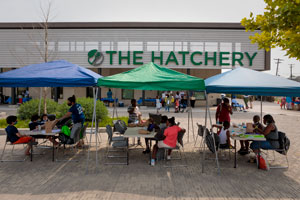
(142, 10)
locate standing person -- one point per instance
(163, 96)
(223, 111)
(283, 102)
(250, 101)
(288, 103)
(109, 94)
(246, 99)
(14, 135)
(193, 100)
(168, 102)
(75, 111)
(158, 104)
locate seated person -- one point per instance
(235, 104)
(134, 113)
(14, 135)
(271, 134)
(170, 139)
(34, 125)
(44, 118)
(34, 122)
(245, 144)
(159, 129)
(224, 134)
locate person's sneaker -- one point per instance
(168, 157)
(33, 143)
(152, 162)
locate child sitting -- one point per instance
(224, 134)
(245, 144)
(14, 136)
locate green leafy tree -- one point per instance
(279, 25)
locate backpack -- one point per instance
(284, 142)
(210, 141)
(120, 126)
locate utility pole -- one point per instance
(277, 62)
(291, 67)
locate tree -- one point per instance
(279, 25)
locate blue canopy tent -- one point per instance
(59, 73)
(249, 82)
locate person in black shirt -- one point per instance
(14, 135)
(34, 122)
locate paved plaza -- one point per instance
(43, 179)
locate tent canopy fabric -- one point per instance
(152, 77)
(246, 81)
(58, 73)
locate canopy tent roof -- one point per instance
(58, 73)
(152, 77)
(246, 81)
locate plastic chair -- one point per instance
(7, 142)
(116, 144)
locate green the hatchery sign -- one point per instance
(196, 58)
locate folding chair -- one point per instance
(7, 142)
(177, 148)
(281, 151)
(116, 144)
(72, 142)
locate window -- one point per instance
(184, 46)
(166, 46)
(178, 46)
(63, 46)
(91, 45)
(226, 46)
(152, 46)
(79, 46)
(89, 92)
(127, 94)
(60, 92)
(136, 46)
(238, 47)
(123, 46)
(196, 46)
(73, 46)
(211, 46)
(105, 46)
(199, 95)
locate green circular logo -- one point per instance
(95, 57)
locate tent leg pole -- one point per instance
(204, 135)
(261, 99)
(96, 132)
(217, 159)
(40, 102)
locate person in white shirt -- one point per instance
(224, 134)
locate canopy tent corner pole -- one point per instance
(261, 118)
(207, 111)
(204, 135)
(40, 102)
(216, 153)
(95, 93)
(115, 105)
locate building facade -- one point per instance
(198, 49)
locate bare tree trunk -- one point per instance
(45, 26)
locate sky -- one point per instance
(143, 11)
